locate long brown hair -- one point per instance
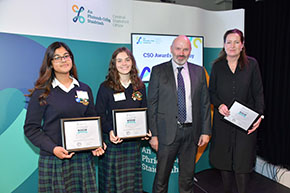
(113, 77)
(243, 59)
(46, 73)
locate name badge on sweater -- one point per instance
(82, 94)
(119, 96)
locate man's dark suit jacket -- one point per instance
(162, 103)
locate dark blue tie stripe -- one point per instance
(181, 97)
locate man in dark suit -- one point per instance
(179, 115)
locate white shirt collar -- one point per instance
(126, 85)
(175, 65)
(56, 83)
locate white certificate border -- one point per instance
(63, 136)
(132, 110)
(236, 102)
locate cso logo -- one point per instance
(139, 40)
(78, 17)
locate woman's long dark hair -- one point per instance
(46, 73)
(243, 59)
(113, 77)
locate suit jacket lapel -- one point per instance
(171, 77)
(193, 76)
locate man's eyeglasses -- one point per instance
(59, 58)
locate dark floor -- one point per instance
(209, 181)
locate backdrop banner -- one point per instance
(93, 30)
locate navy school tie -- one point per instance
(181, 97)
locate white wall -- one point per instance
(179, 19)
(214, 5)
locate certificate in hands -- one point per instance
(80, 134)
(241, 116)
(130, 123)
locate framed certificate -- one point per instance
(241, 115)
(130, 123)
(80, 134)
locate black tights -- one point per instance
(242, 180)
